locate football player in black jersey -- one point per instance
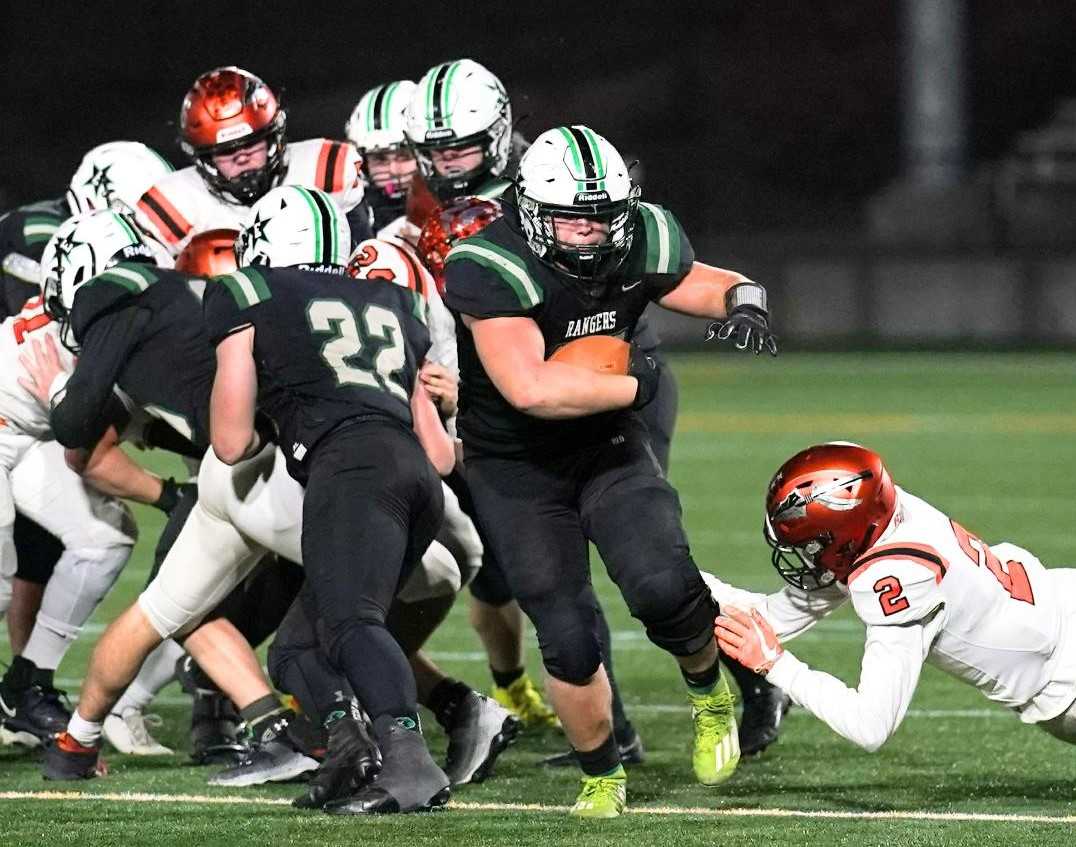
(555, 455)
(138, 327)
(334, 364)
(115, 173)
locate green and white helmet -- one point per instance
(572, 172)
(454, 106)
(114, 176)
(85, 246)
(293, 225)
(377, 121)
(376, 125)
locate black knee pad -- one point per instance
(568, 637)
(38, 550)
(350, 631)
(678, 618)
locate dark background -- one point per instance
(746, 115)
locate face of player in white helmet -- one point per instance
(581, 232)
(454, 161)
(390, 170)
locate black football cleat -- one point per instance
(481, 731)
(351, 761)
(763, 709)
(37, 710)
(631, 751)
(66, 759)
(409, 780)
(214, 720)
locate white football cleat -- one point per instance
(130, 734)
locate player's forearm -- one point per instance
(555, 390)
(791, 612)
(114, 472)
(435, 440)
(868, 715)
(702, 292)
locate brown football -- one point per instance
(602, 353)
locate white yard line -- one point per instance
(666, 811)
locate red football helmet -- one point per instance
(461, 218)
(209, 253)
(225, 110)
(827, 505)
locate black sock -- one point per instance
(604, 759)
(444, 701)
(19, 675)
(266, 718)
(703, 682)
(751, 684)
(44, 677)
(505, 678)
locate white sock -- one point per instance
(87, 733)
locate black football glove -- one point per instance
(172, 492)
(646, 369)
(748, 328)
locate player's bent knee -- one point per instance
(677, 618)
(572, 661)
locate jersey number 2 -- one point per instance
(1012, 575)
(890, 595)
(378, 323)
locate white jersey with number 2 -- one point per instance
(928, 590)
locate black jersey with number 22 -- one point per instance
(329, 349)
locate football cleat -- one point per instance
(409, 780)
(716, 750)
(760, 724)
(631, 752)
(66, 759)
(37, 710)
(523, 700)
(352, 759)
(215, 730)
(483, 730)
(602, 796)
(129, 733)
(273, 761)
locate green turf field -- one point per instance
(990, 439)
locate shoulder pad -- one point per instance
(159, 207)
(27, 229)
(330, 166)
(110, 290)
(898, 585)
(496, 280)
(248, 286)
(663, 237)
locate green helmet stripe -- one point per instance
(431, 83)
(386, 106)
(445, 89)
(595, 151)
(127, 228)
(371, 99)
(573, 148)
(315, 216)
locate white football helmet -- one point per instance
(114, 176)
(572, 172)
(376, 126)
(457, 105)
(83, 247)
(292, 225)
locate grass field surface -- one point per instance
(989, 439)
